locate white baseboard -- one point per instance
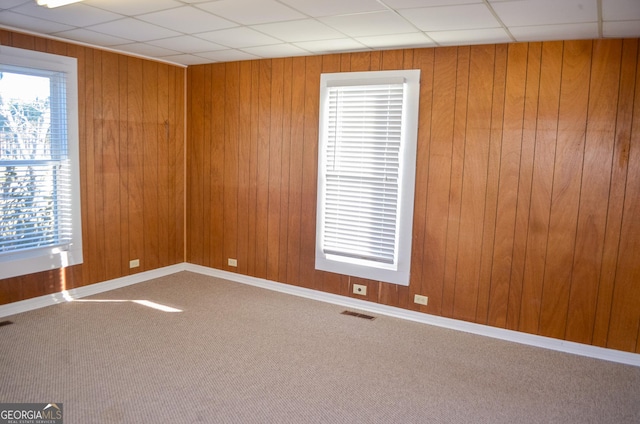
(65, 296)
(483, 330)
(348, 302)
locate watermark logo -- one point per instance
(31, 413)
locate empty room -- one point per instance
(298, 211)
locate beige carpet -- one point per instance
(240, 354)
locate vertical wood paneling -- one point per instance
(621, 140)
(525, 182)
(455, 186)
(474, 181)
(437, 207)
(541, 186)
(493, 174)
(113, 137)
(595, 185)
(217, 165)
(565, 195)
(231, 151)
(527, 187)
(275, 169)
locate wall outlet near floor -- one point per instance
(232, 262)
(134, 263)
(360, 289)
(420, 300)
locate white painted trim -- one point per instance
(468, 327)
(348, 302)
(65, 296)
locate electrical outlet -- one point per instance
(135, 263)
(232, 262)
(360, 289)
(420, 300)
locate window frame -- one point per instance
(28, 261)
(397, 272)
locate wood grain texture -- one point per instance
(126, 183)
(525, 191)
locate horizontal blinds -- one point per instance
(35, 177)
(362, 164)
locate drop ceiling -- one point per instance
(188, 32)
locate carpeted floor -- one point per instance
(241, 354)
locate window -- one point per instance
(40, 225)
(366, 173)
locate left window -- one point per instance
(40, 227)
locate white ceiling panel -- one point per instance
(249, 12)
(303, 30)
(187, 19)
(239, 37)
(317, 8)
(187, 43)
(447, 18)
(472, 36)
(621, 29)
(133, 7)
(190, 32)
(367, 24)
(331, 46)
(556, 32)
(29, 23)
(546, 12)
(621, 10)
(416, 39)
(92, 37)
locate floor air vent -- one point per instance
(356, 314)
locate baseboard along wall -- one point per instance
(348, 302)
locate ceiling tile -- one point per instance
(332, 46)
(366, 24)
(446, 18)
(277, 50)
(250, 12)
(30, 23)
(147, 50)
(302, 30)
(620, 10)
(317, 8)
(406, 4)
(187, 44)
(546, 12)
(8, 4)
(239, 37)
(470, 36)
(92, 37)
(555, 32)
(416, 39)
(228, 55)
(133, 7)
(621, 29)
(77, 15)
(134, 29)
(187, 19)
(187, 59)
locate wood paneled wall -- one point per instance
(131, 119)
(527, 194)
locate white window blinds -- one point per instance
(35, 205)
(40, 220)
(366, 173)
(362, 165)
